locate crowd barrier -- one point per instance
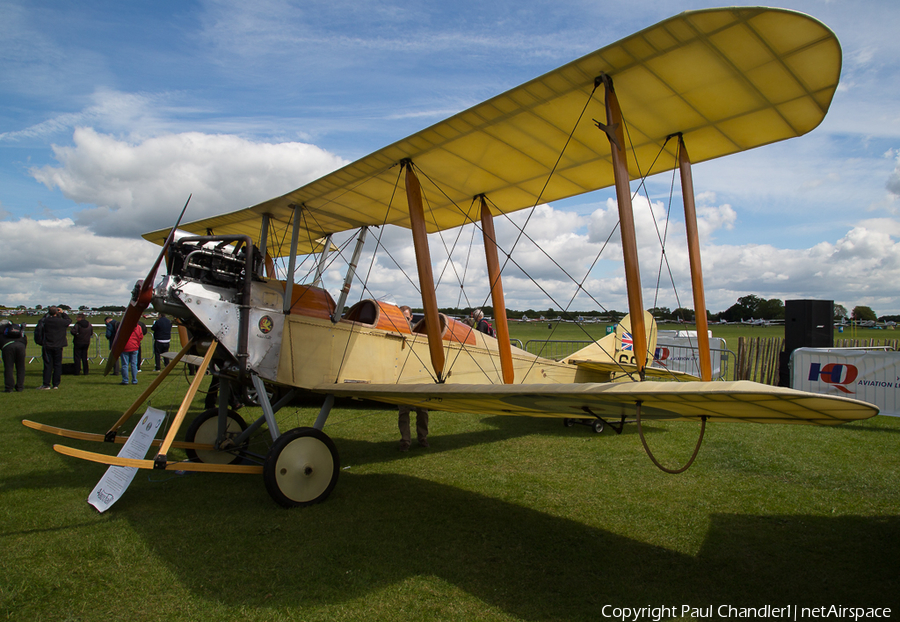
(864, 374)
(98, 352)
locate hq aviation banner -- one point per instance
(869, 375)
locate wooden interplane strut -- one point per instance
(615, 133)
(693, 240)
(497, 299)
(426, 275)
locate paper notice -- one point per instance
(117, 478)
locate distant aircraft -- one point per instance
(720, 81)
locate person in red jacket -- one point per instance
(130, 355)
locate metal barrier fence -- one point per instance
(555, 350)
(98, 351)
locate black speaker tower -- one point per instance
(807, 324)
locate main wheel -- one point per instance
(205, 429)
(302, 467)
(598, 426)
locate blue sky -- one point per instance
(112, 113)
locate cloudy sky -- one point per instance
(114, 112)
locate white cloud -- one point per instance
(56, 261)
(135, 187)
(893, 182)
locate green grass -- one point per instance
(501, 519)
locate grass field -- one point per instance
(501, 519)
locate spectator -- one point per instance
(81, 342)
(140, 354)
(112, 325)
(162, 336)
(13, 342)
(55, 324)
(480, 323)
(130, 355)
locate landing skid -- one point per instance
(101, 438)
(300, 468)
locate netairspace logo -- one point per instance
(789, 612)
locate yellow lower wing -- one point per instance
(689, 401)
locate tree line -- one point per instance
(746, 307)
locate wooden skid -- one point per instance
(148, 464)
(99, 438)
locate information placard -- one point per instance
(117, 478)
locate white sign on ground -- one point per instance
(679, 350)
(869, 375)
(117, 478)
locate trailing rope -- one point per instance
(653, 458)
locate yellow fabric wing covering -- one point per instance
(719, 401)
(728, 79)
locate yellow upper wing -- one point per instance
(728, 79)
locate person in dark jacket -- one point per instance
(55, 324)
(480, 323)
(83, 332)
(112, 325)
(13, 359)
(162, 337)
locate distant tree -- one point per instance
(772, 309)
(863, 313)
(661, 313)
(681, 313)
(840, 312)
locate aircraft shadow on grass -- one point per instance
(380, 530)
(385, 529)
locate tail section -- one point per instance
(616, 351)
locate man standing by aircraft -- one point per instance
(403, 414)
(162, 336)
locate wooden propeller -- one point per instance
(140, 300)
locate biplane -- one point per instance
(716, 81)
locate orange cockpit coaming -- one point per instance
(312, 302)
(378, 314)
(451, 330)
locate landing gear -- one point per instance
(205, 429)
(302, 468)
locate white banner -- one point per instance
(678, 351)
(869, 375)
(117, 478)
